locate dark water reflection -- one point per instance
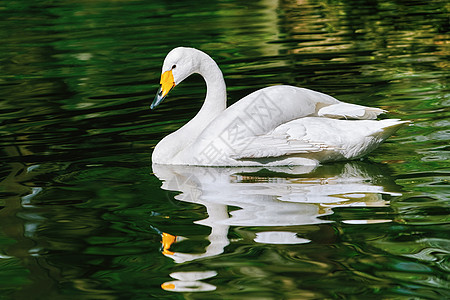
(283, 198)
(83, 213)
(285, 218)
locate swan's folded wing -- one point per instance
(260, 147)
(350, 111)
(269, 146)
(300, 136)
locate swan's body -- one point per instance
(274, 126)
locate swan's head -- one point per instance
(178, 65)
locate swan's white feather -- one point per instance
(350, 111)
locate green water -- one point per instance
(83, 213)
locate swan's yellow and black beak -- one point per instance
(167, 83)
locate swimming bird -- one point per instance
(279, 125)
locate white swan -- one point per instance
(274, 126)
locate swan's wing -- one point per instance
(295, 137)
(309, 135)
(262, 111)
(268, 146)
(344, 110)
(267, 108)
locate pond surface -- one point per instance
(84, 215)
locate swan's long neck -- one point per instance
(216, 94)
(215, 103)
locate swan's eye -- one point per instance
(174, 66)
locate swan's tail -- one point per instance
(388, 127)
(381, 130)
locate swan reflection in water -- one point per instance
(277, 197)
